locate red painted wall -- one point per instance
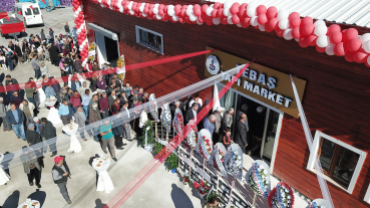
(336, 99)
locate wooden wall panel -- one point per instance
(336, 99)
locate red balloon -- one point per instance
(360, 57)
(307, 20)
(273, 23)
(296, 33)
(214, 13)
(245, 22)
(261, 9)
(235, 19)
(197, 10)
(295, 22)
(311, 40)
(220, 13)
(279, 32)
(343, 36)
(303, 42)
(235, 8)
(320, 50)
(217, 5)
(224, 21)
(339, 49)
(333, 28)
(349, 57)
(134, 5)
(204, 8)
(202, 18)
(354, 45)
(336, 37)
(177, 9)
(307, 29)
(209, 21)
(242, 10)
(271, 12)
(350, 34)
(294, 15)
(183, 12)
(262, 19)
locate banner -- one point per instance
(234, 161)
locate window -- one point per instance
(150, 39)
(20, 10)
(36, 11)
(341, 163)
(28, 12)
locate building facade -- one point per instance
(334, 93)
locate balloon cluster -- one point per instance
(331, 40)
(81, 30)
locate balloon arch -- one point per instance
(331, 40)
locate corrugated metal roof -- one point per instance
(352, 12)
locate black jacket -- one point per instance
(241, 134)
(54, 53)
(49, 130)
(32, 137)
(189, 115)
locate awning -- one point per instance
(103, 31)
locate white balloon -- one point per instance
(288, 34)
(251, 10)
(170, 11)
(175, 18)
(262, 27)
(239, 24)
(159, 17)
(129, 6)
(209, 10)
(189, 10)
(319, 22)
(227, 7)
(330, 49)
(144, 15)
(322, 41)
(321, 30)
(216, 21)
(254, 21)
(141, 8)
(368, 60)
(229, 20)
(365, 37)
(284, 24)
(283, 14)
(366, 46)
(155, 10)
(192, 17)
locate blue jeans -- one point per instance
(32, 101)
(85, 107)
(19, 130)
(37, 73)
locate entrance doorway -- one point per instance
(111, 47)
(107, 49)
(264, 123)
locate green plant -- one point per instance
(157, 148)
(150, 133)
(213, 194)
(172, 162)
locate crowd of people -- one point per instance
(85, 102)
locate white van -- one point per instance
(27, 15)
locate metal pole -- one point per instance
(254, 200)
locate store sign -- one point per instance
(212, 64)
(262, 83)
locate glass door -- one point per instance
(270, 134)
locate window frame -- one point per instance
(137, 31)
(25, 12)
(37, 9)
(315, 155)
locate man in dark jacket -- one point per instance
(78, 64)
(191, 113)
(15, 118)
(61, 173)
(54, 55)
(241, 132)
(33, 138)
(50, 136)
(10, 79)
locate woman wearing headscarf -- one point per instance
(25, 49)
(54, 55)
(42, 35)
(51, 33)
(18, 51)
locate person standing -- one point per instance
(218, 115)
(61, 173)
(209, 124)
(39, 127)
(50, 135)
(191, 113)
(126, 122)
(51, 33)
(108, 138)
(30, 90)
(10, 79)
(6, 125)
(16, 99)
(127, 89)
(241, 132)
(64, 112)
(15, 118)
(44, 69)
(31, 166)
(43, 37)
(111, 99)
(85, 101)
(80, 119)
(33, 138)
(27, 109)
(78, 64)
(94, 118)
(36, 66)
(75, 100)
(54, 54)
(227, 120)
(66, 29)
(104, 105)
